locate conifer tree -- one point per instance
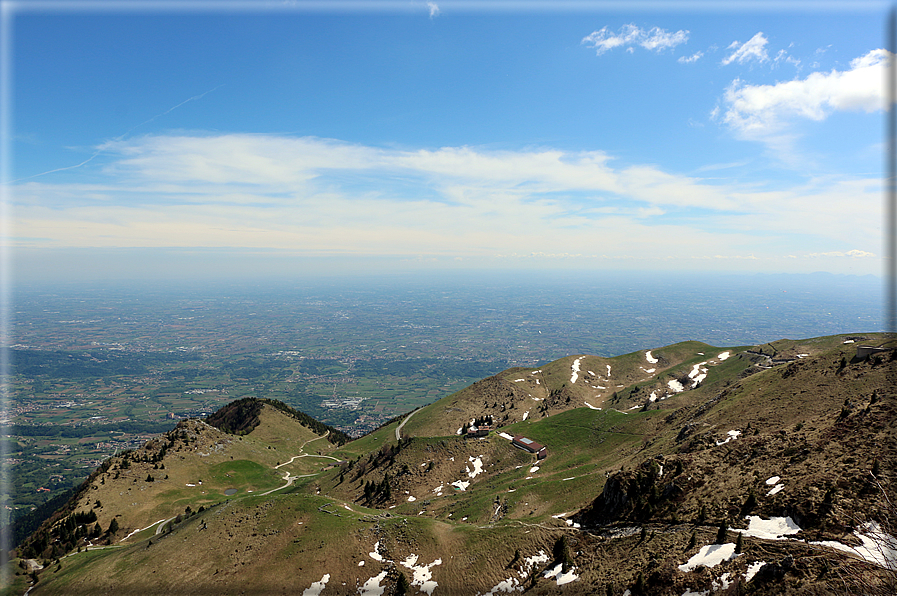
(721, 532)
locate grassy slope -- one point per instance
(221, 461)
(791, 424)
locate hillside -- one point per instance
(782, 451)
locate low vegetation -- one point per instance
(640, 484)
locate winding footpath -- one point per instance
(289, 479)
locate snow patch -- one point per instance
(460, 484)
(772, 480)
(653, 397)
(710, 556)
(575, 369)
(590, 406)
(512, 584)
(695, 370)
(534, 469)
(372, 587)
(375, 554)
(651, 359)
(561, 578)
(723, 583)
(508, 585)
(608, 371)
(526, 415)
(773, 528)
(698, 373)
(723, 356)
(775, 490)
(316, 587)
(528, 562)
(733, 434)
(878, 547)
(506, 436)
(477, 467)
(752, 570)
(676, 386)
(423, 574)
(411, 499)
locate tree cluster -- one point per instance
(62, 537)
(377, 492)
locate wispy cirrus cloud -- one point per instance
(689, 59)
(752, 50)
(755, 50)
(434, 9)
(629, 36)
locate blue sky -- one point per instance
(247, 138)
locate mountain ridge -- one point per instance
(675, 468)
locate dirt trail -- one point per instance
(289, 480)
(286, 476)
(303, 454)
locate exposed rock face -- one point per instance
(636, 495)
(609, 505)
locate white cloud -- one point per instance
(318, 196)
(655, 39)
(693, 58)
(855, 254)
(434, 9)
(761, 111)
(753, 49)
